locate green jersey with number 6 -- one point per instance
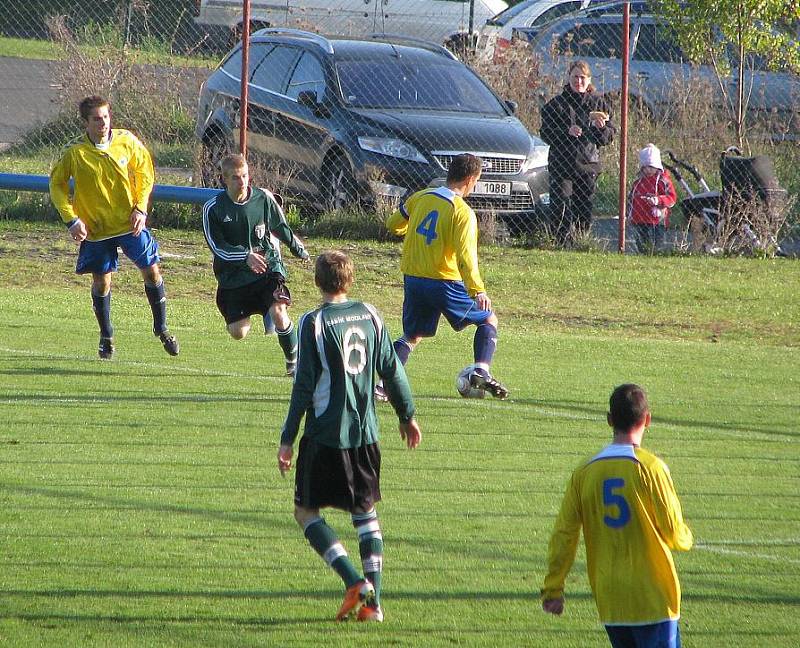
(342, 346)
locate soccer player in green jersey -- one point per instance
(624, 499)
(343, 344)
(243, 226)
(440, 267)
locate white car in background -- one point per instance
(439, 21)
(496, 35)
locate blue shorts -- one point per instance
(101, 257)
(425, 300)
(654, 635)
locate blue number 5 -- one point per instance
(610, 498)
(427, 227)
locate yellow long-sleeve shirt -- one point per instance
(109, 183)
(626, 503)
(441, 237)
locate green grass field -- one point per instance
(141, 504)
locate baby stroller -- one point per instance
(749, 208)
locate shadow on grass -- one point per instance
(591, 412)
(227, 516)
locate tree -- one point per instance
(734, 36)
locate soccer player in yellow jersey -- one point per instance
(113, 175)
(624, 499)
(440, 267)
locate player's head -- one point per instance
(627, 407)
(464, 171)
(95, 112)
(334, 272)
(235, 176)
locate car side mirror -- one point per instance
(512, 106)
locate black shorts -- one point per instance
(347, 479)
(237, 303)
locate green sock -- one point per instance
(324, 541)
(370, 546)
(288, 341)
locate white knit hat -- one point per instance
(650, 156)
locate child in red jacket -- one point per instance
(651, 198)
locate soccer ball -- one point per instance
(464, 388)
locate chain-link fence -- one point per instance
(336, 125)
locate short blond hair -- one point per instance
(334, 272)
(232, 163)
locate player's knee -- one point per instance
(492, 320)
(239, 330)
(152, 275)
(101, 284)
(280, 316)
(303, 515)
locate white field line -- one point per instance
(718, 547)
(489, 403)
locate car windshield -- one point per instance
(429, 84)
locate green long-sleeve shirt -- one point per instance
(233, 230)
(343, 345)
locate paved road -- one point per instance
(29, 93)
(27, 96)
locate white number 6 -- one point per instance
(354, 339)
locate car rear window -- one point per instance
(429, 84)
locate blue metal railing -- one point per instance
(161, 193)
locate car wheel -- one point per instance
(340, 185)
(214, 149)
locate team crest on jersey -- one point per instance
(260, 230)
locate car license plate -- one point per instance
(488, 188)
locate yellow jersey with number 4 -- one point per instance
(441, 237)
(624, 499)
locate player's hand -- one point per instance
(305, 257)
(78, 231)
(138, 220)
(575, 131)
(256, 262)
(653, 200)
(410, 433)
(483, 301)
(554, 606)
(284, 459)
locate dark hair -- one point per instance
(464, 166)
(87, 105)
(334, 272)
(627, 406)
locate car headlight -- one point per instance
(395, 148)
(537, 155)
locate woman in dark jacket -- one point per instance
(574, 124)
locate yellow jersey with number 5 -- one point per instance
(441, 237)
(625, 501)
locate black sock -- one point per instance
(101, 304)
(158, 304)
(484, 344)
